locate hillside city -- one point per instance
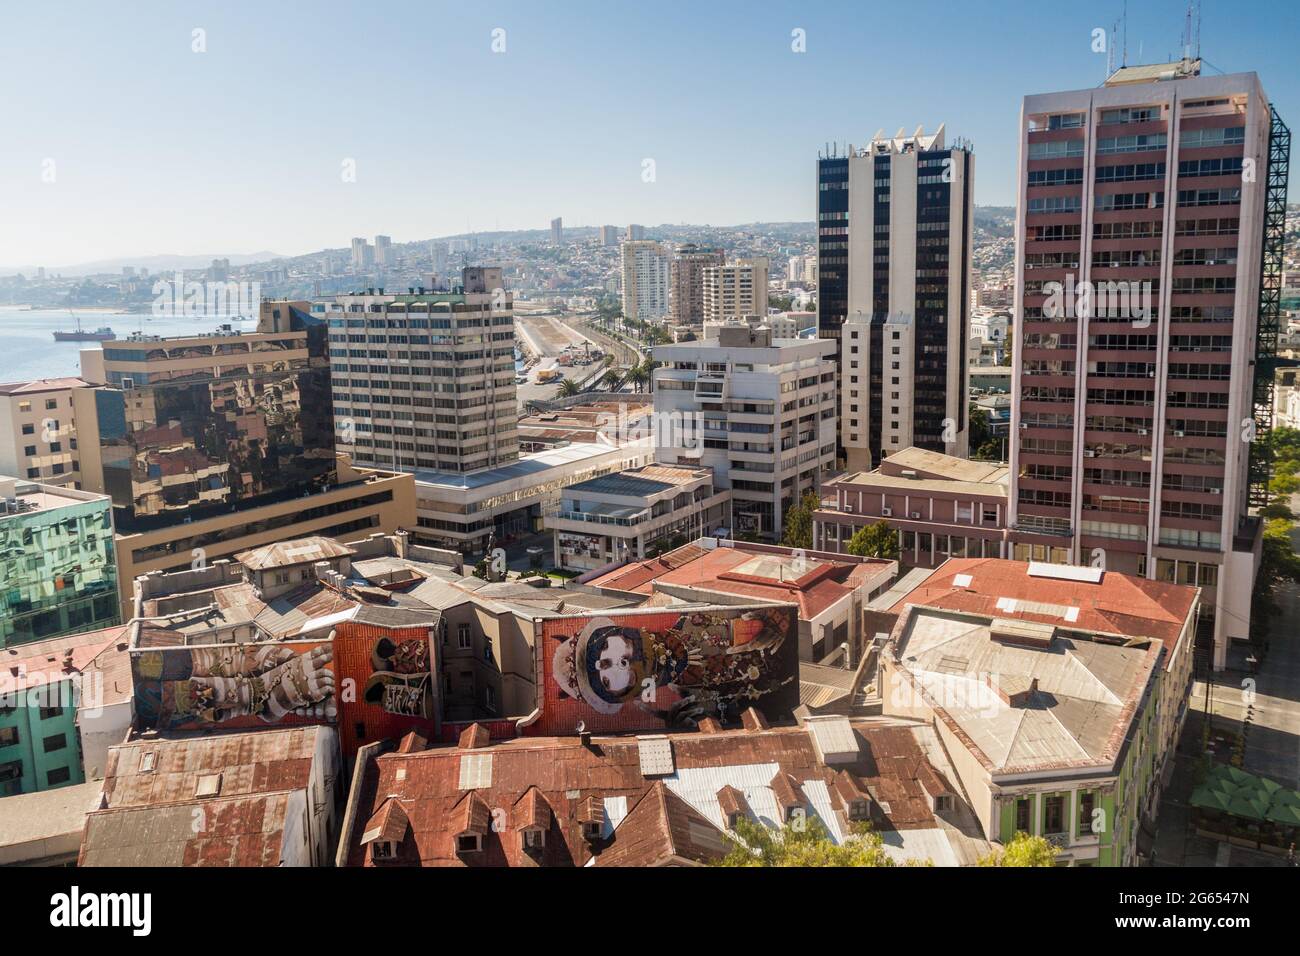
(915, 533)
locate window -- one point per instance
(490, 699)
(29, 429)
(54, 742)
(468, 843)
(1086, 802)
(8, 736)
(1054, 814)
(51, 403)
(1024, 821)
(49, 712)
(29, 450)
(57, 776)
(463, 636)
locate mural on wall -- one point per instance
(387, 682)
(234, 684)
(400, 681)
(668, 668)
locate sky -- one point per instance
(298, 125)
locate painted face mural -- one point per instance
(694, 664)
(266, 682)
(399, 681)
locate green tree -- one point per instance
(877, 540)
(638, 376)
(611, 379)
(799, 521)
(568, 387)
(803, 842)
(1023, 850)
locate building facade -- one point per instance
(426, 380)
(687, 295)
(894, 263)
(38, 435)
(211, 444)
(647, 267)
(758, 411)
(626, 515)
(736, 290)
(58, 572)
(1147, 209)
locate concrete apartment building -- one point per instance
(941, 507)
(687, 277)
(609, 235)
(211, 444)
(758, 411)
(557, 230)
(894, 273)
(736, 290)
(1058, 692)
(647, 268)
(363, 255)
(57, 562)
(38, 433)
(626, 515)
(384, 256)
(426, 380)
(1130, 411)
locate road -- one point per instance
(1265, 714)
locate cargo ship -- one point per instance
(101, 334)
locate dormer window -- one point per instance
(591, 830)
(859, 810)
(943, 803)
(381, 850)
(534, 840)
(469, 843)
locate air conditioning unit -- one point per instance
(887, 512)
(1024, 424)
(1216, 491)
(1089, 453)
(1142, 431)
(848, 508)
(916, 516)
(1179, 435)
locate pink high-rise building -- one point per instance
(1148, 266)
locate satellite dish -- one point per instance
(582, 726)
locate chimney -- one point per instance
(709, 725)
(753, 720)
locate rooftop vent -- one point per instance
(1025, 633)
(656, 753)
(833, 738)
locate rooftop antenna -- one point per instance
(1124, 63)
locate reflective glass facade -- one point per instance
(205, 426)
(57, 570)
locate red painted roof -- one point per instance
(44, 662)
(1118, 604)
(718, 570)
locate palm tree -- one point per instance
(568, 387)
(611, 379)
(638, 376)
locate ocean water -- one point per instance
(28, 349)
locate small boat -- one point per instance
(101, 334)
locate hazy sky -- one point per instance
(154, 148)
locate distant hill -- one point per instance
(157, 263)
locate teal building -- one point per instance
(58, 573)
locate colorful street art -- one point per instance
(234, 685)
(400, 681)
(386, 683)
(667, 669)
